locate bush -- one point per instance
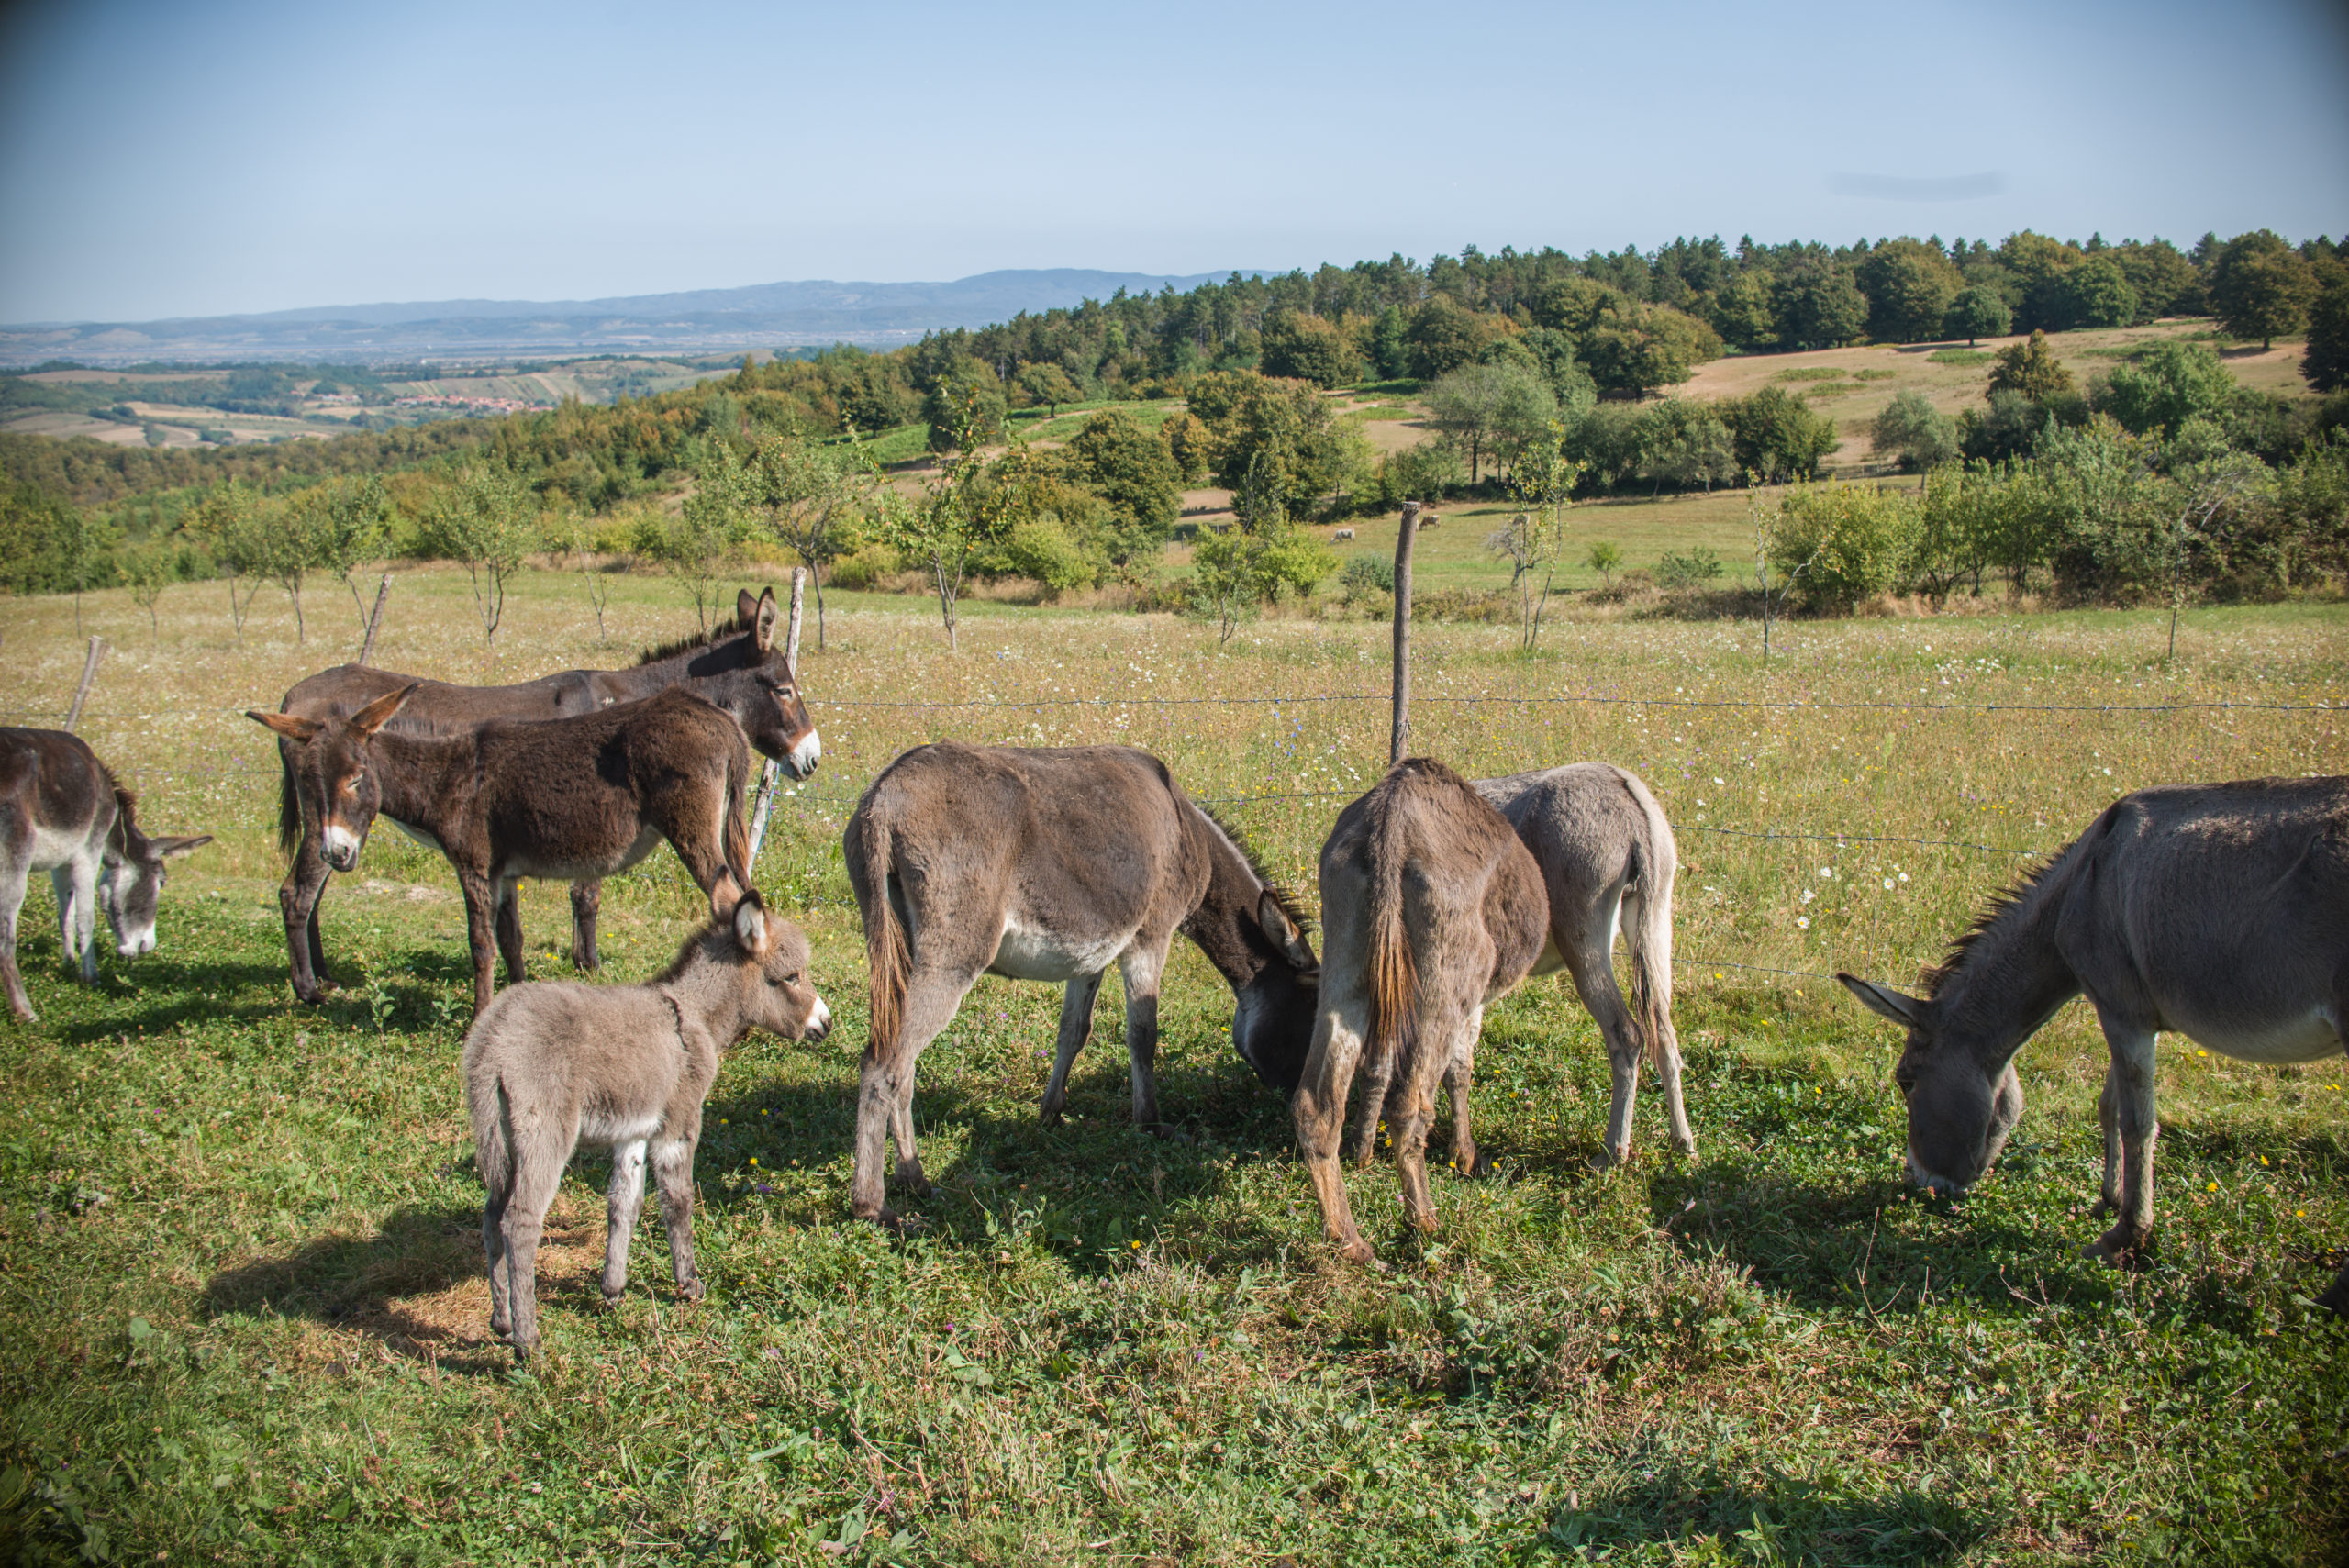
(1692, 568)
(1834, 545)
(1919, 435)
(2167, 384)
(1040, 547)
(1367, 573)
(865, 568)
(1776, 435)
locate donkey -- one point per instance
(558, 1063)
(746, 674)
(570, 798)
(2218, 911)
(1054, 865)
(1433, 909)
(62, 812)
(1607, 860)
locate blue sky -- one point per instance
(161, 159)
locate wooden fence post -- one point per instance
(1400, 740)
(89, 674)
(375, 618)
(791, 658)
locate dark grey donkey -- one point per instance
(1432, 910)
(1608, 861)
(62, 812)
(1054, 865)
(2218, 911)
(556, 1064)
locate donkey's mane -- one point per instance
(730, 627)
(125, 820)
(1291, 906)
(687, 949)
(1995, 909)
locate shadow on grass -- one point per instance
(1784, 1521)
(367, 1283)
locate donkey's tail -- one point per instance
(888, 955)
(1649, 936)
(494, 1144)
(1394, 971)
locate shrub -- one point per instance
(1691, 568)
(2167, 384)
(1919, 435)
(1776, 435)
(1834, 545)
(1366, 574)
(1041, 548)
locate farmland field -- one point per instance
(241, 1277)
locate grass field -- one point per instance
(239, 1262)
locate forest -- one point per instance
(1543, 378)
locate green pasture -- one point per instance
(240, 1268)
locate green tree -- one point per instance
(345, 522)
(2096, 294)
(1390, 344)
(573, 533)
(1637, 350)
(2261, 287)
(486, 520)
(2035, 265)
(1920, 436)
(959, 516)
(2163, 281)
(1446, 335)
(2167, 384)
(1048, 385)
(1908, 286)
(1975, 312)
(813, 497)
(702, 545)
(1746, 313)
(1776, 435)
(1685, 444)
(1261, 557)
(2031, 368)
(1283, 432)
(147, 573)
(1307, 348)
(1843, 543)
(1484, 407)
(1133, 469)
(1818, 307)
(1534, 541)
(236, 526)
(2326, 362)
(966, 400)
(1604, 557)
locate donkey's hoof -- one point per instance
(910, 1180)
(692, 1289)
(1168, 1131)
(2116, 1249)
(1359, 1254)
(1607, 1160)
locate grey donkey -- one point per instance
(62, 812)
(1431, 909)
(554, 1063)
(1608, 861)
(2216, 911)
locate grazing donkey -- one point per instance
(1054, 865)
(558, 1063)
(1432, 910)
(2218, 911)
(568, 798)
(747, 674)
(62, 812)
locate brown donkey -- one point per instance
(561, 798)
(62, 812)
(555, 1064)
(1431, 909)
(746, 674)
(1054, 865)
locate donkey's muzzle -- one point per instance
(339, 847)
(801, 760)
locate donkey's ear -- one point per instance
(762, 619)
(1277, 925)
(172, 849)
(1883, 1000)
(287, 724)
(751, 923)
(746, 608)
(377, 713)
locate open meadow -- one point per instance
(240, 1270)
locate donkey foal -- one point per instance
(553, 1064)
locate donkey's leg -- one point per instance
(1460, 1077)
(1663, 1040)
(1377, 1082)
(481, 908)
(509, 930)
(1139, 968)
(2130, 1086)
(586, 899)
(537, 1172)
(1319, 1107)
(77, 917)
(297, 905)
(1588, 948)
(672, 1174)
(14, 870)
(623, 1200)
(1441, 1025)
(886, 1088)
(2107, 1112)
(1077, 1028)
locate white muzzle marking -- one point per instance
(803, 758)
(820, 1020)
(136, 944)
(341, 846)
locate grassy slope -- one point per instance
(239, 1238)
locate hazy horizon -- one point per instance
(160, 164)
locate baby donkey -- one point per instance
(554, 1063)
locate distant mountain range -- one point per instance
(697, 321)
